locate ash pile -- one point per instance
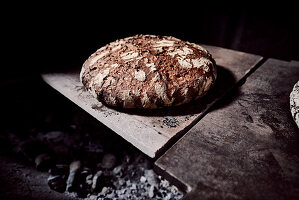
(86, 160)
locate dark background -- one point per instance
(37, 38)
(45, 37)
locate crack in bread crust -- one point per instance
(147, 71)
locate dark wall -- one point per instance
(54, 37)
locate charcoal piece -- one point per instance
(108, 161)
(71, 182)
(118, 170)
(43, 162)
(84, 173)
(96, 180)
(105, 191)
(151, 177)
(151, 192)
(53, 136)
(142, 179)
(127, 159)
(57, 183)
(89, 179)
(74, 169)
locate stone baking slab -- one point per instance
(247, 147)
(152, 131)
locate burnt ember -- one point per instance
(86, 160)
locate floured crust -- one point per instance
(294, 103)
(146, 71)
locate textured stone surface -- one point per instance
(151, 131)
(246, 147)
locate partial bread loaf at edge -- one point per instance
(294, 103)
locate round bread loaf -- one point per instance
(294, 103)
(147, 71)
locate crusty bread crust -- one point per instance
(294, 103)
(147, 71)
